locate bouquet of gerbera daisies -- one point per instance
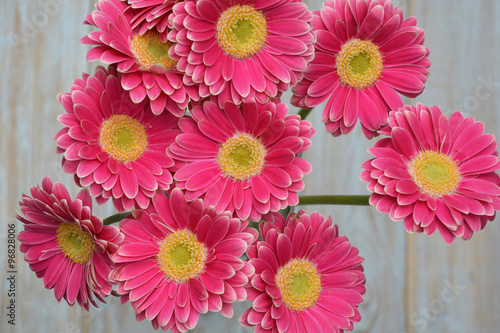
(186, 132)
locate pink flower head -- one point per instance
(142, 56)
(66, 245)
(113, 145)
(180, 259)
(151, 14)
(435, 173)
(365, 53)
(307, 277)
(241, 50)
(242, 158)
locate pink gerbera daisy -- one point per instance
(307, 277)
(66, 245)
(113, 145)
(435, 173)
(142, 56)
(242, 158)
(365, 52)
(181, 259)
(241, 50)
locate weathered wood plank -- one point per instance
(40, 55)
(456, 287)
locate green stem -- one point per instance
(361, 200)
(303, 113)
(115, 218)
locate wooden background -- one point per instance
(414, 283)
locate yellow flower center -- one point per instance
(299, 283)
(359, 63)
(436, 174)
(150, 51)
(181, 256)
(241, 31)
(241, 156)
(75, 243)
(123, 138)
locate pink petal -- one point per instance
(128, 182)
(277, 176)
(203, 178)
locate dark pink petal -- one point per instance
(389, 95)
(480, 164)
(214, 285)
(372, 23)
(369, 113)
(277, 176)
(286, 45)
(231, 246)
(203, 178)
(273, 66)
(179, 207)
(128, 182)
(260, 189)
(240, 81)
(447, 235)
(74, 283)
(479, 185)
(196, 143)
(217, 232)
(137, 250)
(405, 83)
(220, 270)
(403, 142)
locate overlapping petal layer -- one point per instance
(141, 55)
(180, 259)
(242, 158)
(66, 245)
(151, 14)
(365, 54)
(435, 173)
(242, 50)
(307, 277)
(113, 145)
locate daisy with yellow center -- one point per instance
(123, 138)
(151, 51)
(180, 259)
(306, 276)
(241, 31)
(299, 283)
(239, 50)
(75, 243)
(67, 246)
(359, 63)
(113, 145)
(181, 256)
(436, 174)
(242, 156)
(140, 50)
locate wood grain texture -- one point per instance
(465, 74)
(40, 54)
(414, 283)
